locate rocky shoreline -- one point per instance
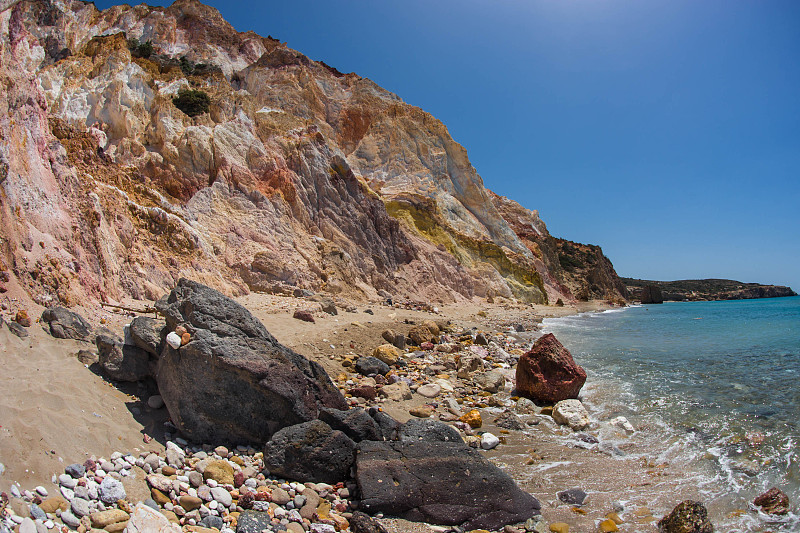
(458, 389)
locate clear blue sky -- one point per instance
(666, 131)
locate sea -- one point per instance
(713, 386)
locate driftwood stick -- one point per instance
(130, 309)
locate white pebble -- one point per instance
(174, 340)
(211, 483)
(489, 441)
(41, 490)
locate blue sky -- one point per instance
(668, 132)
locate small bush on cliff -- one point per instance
(143, 50)
(192, 102)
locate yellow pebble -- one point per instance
(559, 527)
(607, 526)
(615, 517)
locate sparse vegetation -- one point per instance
(138, 49)
(192, 102)
(190, 68)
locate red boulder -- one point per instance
(547, 373)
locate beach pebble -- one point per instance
(27, 526)
(15, 491)
(430, 390)
(571, 413)
(572, 496)
(37, 513)
(75, 470)
(80, 507)
(174, 340)
(222, 496)
(155, 401)
(622, 423)
(489, 441)
(67, 493)
(111, 490)
(65, 480)
(70, 519)
(41, 491)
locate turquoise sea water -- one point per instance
(715, 385)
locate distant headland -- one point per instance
(649, 291)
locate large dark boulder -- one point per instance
(122, 362)
(148, 334)
(419, 429)
(233, 382)
(389, 427)
(355, 423)
(687, 517)
(439, 482)
(547, 373)
(310, 451)
(62, 323)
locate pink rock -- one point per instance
(548, 373)
(305, 316)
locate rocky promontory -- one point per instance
(649, 291)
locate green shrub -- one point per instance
(192, 102)
(143, 50)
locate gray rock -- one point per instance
(211, 521)
(572, 496)
(310, 451)
(65, 480)
(416, 480)
(369, 365)
(80, 507)
(195, 478)
(174, 458)
(151, 503)
(148, 334)
(17, 330)
(111, 490)
(234, 382)
(70, 519)
(363, 523)
(253, 522)
(328, 306)
(155, 401)
(491, 381)
(87, 357)
(62, 323)
(508, 420)
(37, 513)
(222, 496)
(75, 470)
(355, 423)
(82, 492)
(426, 429)
(122, 362)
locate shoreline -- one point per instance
(117, 419)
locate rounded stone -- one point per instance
(489, 441)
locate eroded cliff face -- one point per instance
(296, 176)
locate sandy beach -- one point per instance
(55, 410)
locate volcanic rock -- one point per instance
(369, 365)
(651, 294)
(428, 430)
(234, 381)
(491, 381)
(122, 362)
(65, 324)
(310, 451)
(363, 523)
(687, 517)
(421, 334)
(415, 480)
(389, 427)
(774, 501)
(303, 315)
(147, 333)
(355, 423)
(547, 373)
(386, 353)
